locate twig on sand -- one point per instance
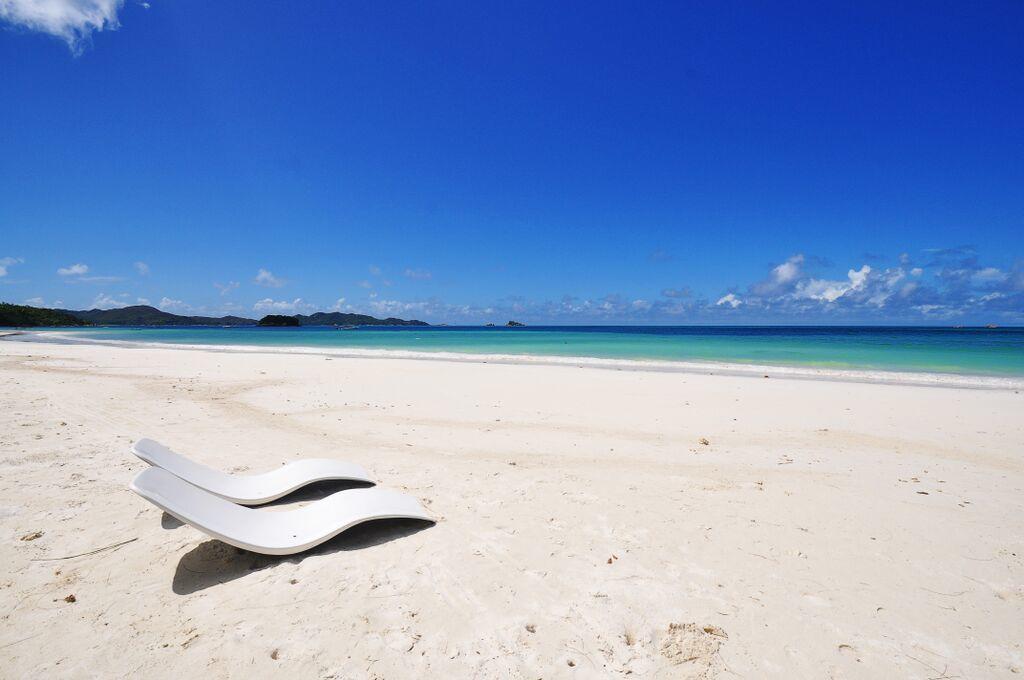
(962, 592)
(11, 644)
(584, 654)
(91, 552)
(942, 675)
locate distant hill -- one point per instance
(278, 320)
(22, 315)
(340, 319)
(144, 315)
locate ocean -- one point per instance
(968, 351)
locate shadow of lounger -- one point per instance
(214, 562)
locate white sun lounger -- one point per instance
(268, 532)
(249, 489)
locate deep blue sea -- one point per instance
(973, 351)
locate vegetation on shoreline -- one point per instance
(278, 320)
(344, 319)
(25, 316)
(144, 315)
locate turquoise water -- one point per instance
(973, 351)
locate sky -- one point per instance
(469, 162)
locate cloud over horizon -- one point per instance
(951, 285)
(935, 286)
(270, 306)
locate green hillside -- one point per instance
(25, 316)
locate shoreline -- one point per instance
(869, 376)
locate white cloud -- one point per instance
(77, 269)
(941, 311)
(365, 284)
(780, 276)
(420, 274)
(395, 307)
(988, 275)
(77, 272)
(73, 21)
(340, 306)
(143, 301)
(226, 288)
(641, 305)
(954, 285)
(375, 270)
(266, 278)
(788, 270)
(6, 262)
(36, 302)
(141, 267)
(830, 291)
(883, 286)
(269, 305)
(169, 305)
(104, 301)
(730, 300)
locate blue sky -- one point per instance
(551, 162)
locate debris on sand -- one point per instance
(71, 598)
(693, 645)
(703, 441)
(33, 536)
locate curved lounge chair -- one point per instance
(249, 489)
(272, 533)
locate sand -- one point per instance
(825, 528)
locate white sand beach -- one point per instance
(591, 522)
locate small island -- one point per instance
(514, 324)
(278, 320)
